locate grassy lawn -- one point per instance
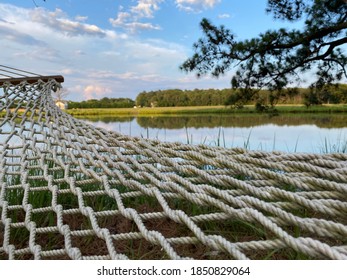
(336, 108)
(290, 108)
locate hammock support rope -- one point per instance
(69, 190)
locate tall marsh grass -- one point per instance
(338, 145)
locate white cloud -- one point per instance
(224, 16)
(95, 62)
(79, 52)
(9, 33)
(146, 8)
(196, 5)
(131, 20)
(81, 18)
(121, 19)
(129, 76)
(37, 54)
(95, 91)
(59, 22)
(133, 26)
(67, 71)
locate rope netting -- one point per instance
(73, 191)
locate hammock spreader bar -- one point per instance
(31, 80)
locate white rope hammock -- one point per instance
(73, 191)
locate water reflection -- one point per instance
(290, 133)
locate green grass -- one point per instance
(146, 111)
(151, 111)
(233, 229)
(338, 108)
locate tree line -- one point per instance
(103, 103)
(331, 94)
(262, 99)
(177, 97)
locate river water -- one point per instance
(289, 133)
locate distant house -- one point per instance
(154, 104)
(61, 104)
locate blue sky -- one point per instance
(118, 48)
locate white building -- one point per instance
(61, 104)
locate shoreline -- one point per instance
(248, 109)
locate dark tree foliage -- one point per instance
(178, 97)
(212, 97)
(277, 58)
(103, 103)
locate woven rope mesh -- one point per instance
(73, 191)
